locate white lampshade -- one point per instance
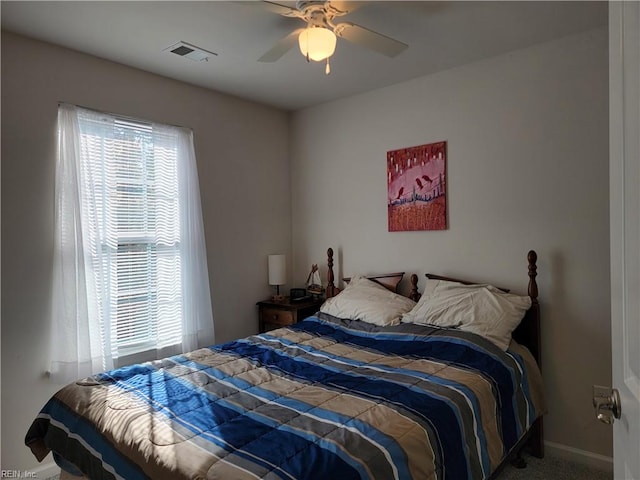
(318, 42)
(277, 269)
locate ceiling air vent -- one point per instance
(189, 51)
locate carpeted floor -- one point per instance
(553, 468)
(549, 468)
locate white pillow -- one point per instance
(481, 309)
(363, 299)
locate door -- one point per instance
(624, 128)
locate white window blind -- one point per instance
(132, 207)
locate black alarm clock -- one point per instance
(298, 295)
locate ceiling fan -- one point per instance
(318, 40)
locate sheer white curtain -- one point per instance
(79, 346)
(97, 262)
(197, 327)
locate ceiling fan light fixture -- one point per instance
(317, 43)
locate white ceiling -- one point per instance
(440, 35)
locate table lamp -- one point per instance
(277, 274)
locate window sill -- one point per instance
(147, 355)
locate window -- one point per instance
(130, 238)
(134, 222)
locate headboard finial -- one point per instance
(331, 288)
(413, 294)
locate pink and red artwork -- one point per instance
(416, 180)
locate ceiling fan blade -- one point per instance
(283, 10)
(370, 39)
(278, 8)
(346, 6)
(282, 47)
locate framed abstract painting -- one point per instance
(417, 187)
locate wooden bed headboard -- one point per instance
(527, 333)
(388, 280)
(391, 281)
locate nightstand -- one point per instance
(279, 314)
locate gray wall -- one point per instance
(527, 137)
(242, 152)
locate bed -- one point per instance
(330, 396)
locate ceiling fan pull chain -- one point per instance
(327, 70)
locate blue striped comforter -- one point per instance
(324, 398)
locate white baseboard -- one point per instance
(594, 460)
(46, 470)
